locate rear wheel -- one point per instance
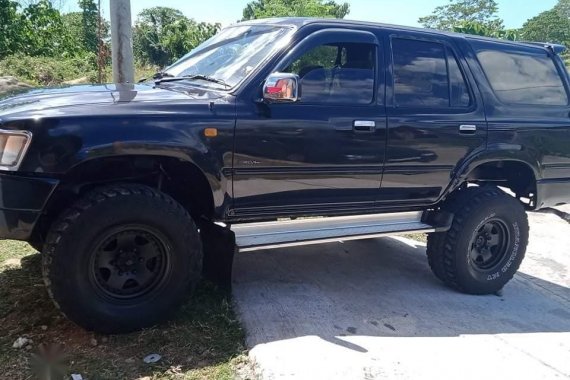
(122, 258)
(486, 243)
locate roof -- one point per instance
(299, 22)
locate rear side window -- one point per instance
(427, 74)
(522, 77)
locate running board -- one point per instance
(255, 236)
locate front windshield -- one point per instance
(230, 55)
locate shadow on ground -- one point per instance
(200, 341)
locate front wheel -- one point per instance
(486, 242)
(122, 258)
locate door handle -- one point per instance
(467, 129)
(364, 126)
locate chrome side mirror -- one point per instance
(281, 87)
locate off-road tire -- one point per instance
(449, 253)
(69, 251)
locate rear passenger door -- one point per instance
(436, 118)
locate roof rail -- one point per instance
(554, 48)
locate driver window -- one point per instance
(336, 73)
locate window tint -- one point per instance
(520, 77)
(459, 93)
(427, 74)
(337, 73)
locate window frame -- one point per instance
(531, 50)
(339, 36)
(447, 46)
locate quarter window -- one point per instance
(522, 77)
(427, 74)
(337, 73)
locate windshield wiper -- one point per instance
(170, 78)
(158, 75)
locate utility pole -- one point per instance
(122, 41)
(100, 46)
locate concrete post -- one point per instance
(122, 41)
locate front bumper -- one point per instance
(22, 200)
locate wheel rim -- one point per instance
(489, 245)
(129, 262)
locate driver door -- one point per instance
(325, 152)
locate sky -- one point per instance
(401, 12)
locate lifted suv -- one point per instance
(285, 132)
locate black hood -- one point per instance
(55, 101)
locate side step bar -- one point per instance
(255, 236)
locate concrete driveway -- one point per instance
(373, 310)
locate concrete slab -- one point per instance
(373, 310)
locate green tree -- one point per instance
(447, 17)
(57, 4)
(550, 26)
(90, 23)
(44, 33)
(162, 35)
(563, 8)
(11, 30)
(73, 24)
(294, 8)
(472, 27)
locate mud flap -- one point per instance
(219, 245)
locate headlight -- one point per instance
(13, 147)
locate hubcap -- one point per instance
(489, 245)
(129, 262)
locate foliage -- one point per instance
(57, 4)
(49, 71)
(10, 28)
(295, 8)
(44, 31)
(90, 23)
(549, 26)
(563, 7)
(38, 30)
(162, 35)
(73, 24)
(449, 16)
(472, 27)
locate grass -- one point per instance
(204, 341)
(417, 237)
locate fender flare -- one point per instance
(493, 153)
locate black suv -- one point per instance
(285, 132)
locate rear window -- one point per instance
(522, 76)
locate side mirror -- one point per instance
(281, 87)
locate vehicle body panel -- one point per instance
(426, 145)
(125, 120)
(303, 157)
(290, 159)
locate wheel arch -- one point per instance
(183, 180)
(507, 168)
